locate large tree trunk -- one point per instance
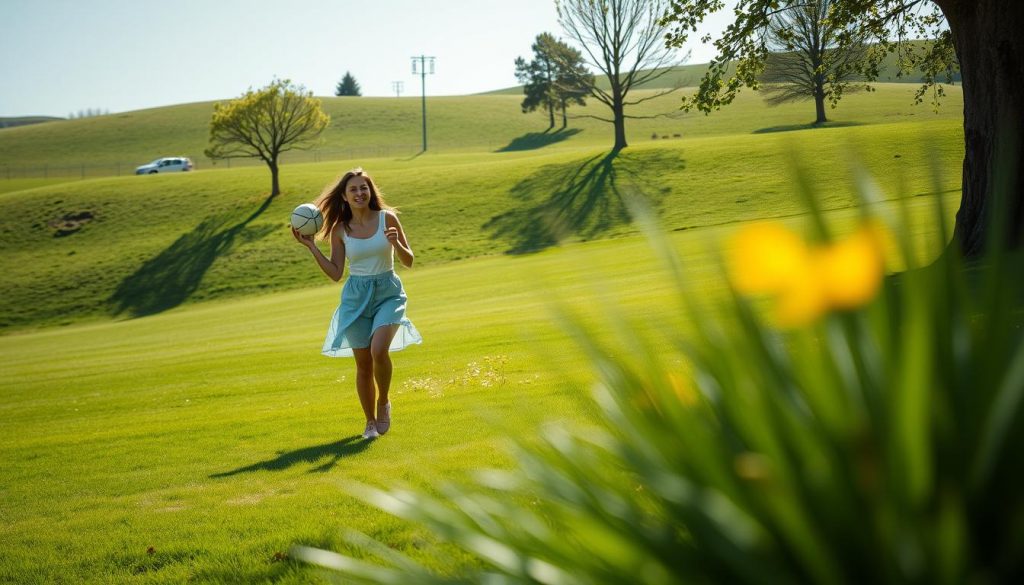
(619, 113)
(990, 48)
(819, 100)
(275, 185)
(819, 108)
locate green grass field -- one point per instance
(218, 436)
(167, 415)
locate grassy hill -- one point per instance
(132, 246)
(390, 127)
(166, 414)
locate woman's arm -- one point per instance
(333, 267)
(396, 235)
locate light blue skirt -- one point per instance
(369, 302)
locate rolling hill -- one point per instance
(391, 127)
(132, 246)
(167, 415)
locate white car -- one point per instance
(172, 164)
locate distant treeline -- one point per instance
(25, 121)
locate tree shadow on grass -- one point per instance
(336, 451)
(583, 199)
(535, 140)
(809, 126)
(172, 276)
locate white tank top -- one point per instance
(372, 255)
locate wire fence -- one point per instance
(115, 169)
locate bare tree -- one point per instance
(624, 40)
(807, 62)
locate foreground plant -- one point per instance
(866, 430)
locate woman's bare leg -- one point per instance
(364, 381)
(379, 350)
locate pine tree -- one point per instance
(348, 86)
(554, 79)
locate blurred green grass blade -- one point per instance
(1004, 410)
(646, 220)
(911, 421)
(760, 405)
(364, 572)
(951, 536)
(808, 196)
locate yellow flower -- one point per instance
(806, 281)
(851, 270)
(803, 299)
(766, 257)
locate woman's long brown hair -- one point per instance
(334, 208)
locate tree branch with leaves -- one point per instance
(980, 37)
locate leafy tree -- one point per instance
(265, 123)
(624, 40)
(537, 79)
(805, 62)
(348, 86)
(982, 37)
(556, 78)
(574, 82)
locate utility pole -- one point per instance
(397, 86)
(422, 60)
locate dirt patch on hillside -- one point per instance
(70, 223)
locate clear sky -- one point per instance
(62, 56)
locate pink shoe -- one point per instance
(384, 418)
